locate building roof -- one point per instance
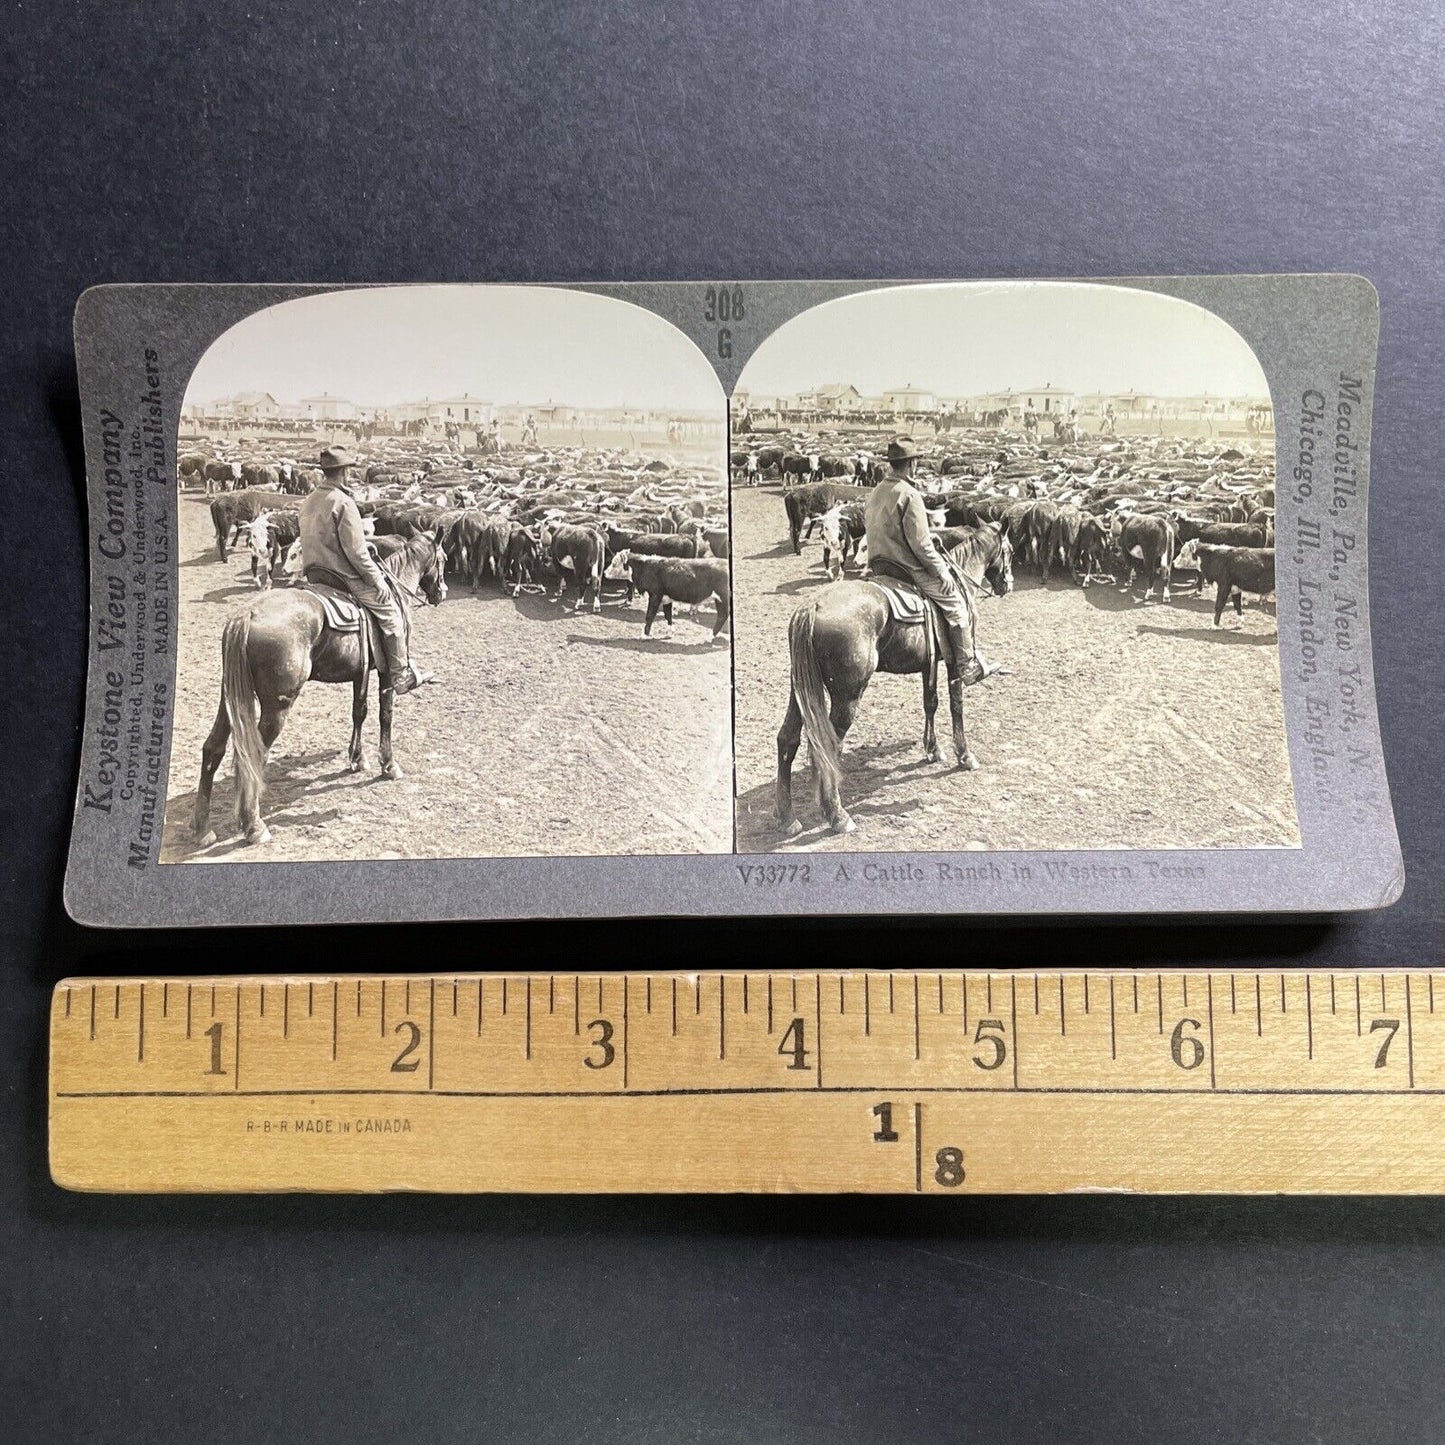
(252, 398)
(836, 388)
(325, 396)
(909, 390)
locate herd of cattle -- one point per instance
(524, 518)
(1131, 508)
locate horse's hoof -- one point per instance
(791, 828)
(206, 839)
(930, 755)
(392, 772)
(968, 763)
(843, 824)
(259, 837)
(356, 764)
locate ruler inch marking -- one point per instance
(1113, 1029)
(1209, 1000)
(917, 1039)
(1309, 1018)
(431, 1037)
(917, 1147)
(1409, 1030)
(1014, 1020)
(818, 1023)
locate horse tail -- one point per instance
(239, 692)
(811, 693)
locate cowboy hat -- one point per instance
(902, 449)
(334, 458)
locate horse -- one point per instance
(846, 633)
(269, 650)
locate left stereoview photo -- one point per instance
(453, 583)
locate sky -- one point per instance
(501, 344)
(964, 339)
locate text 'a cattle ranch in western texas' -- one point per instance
(1085, 475)
(526, 488)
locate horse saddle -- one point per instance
(909, 607)
(345, 614)
(906, 603)
(343, 611)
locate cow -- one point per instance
(745, 466)
(1233, 570)
(718, 542)
(1223, 534)
(583, 552)
(797, 466)
(657, 544)
(684, 546)
(1090, 553)
(236, 509)
(669, 579)
(811, 500)
(270, 536)
(191, 467)
(843, 532)
(1145, 543)
(1038, 525)
(1062, 540)
(522, 559)
(222, 476)
(770, 458)
(476, 545)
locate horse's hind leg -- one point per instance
(930, 707)
(390, 768)
(842, 713)
(789, 736)
(966, 759)
(273, 718)
(212, 751)
(355, 755)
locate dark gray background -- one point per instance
(433, 141)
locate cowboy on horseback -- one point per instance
(337, 554)
(901, 545)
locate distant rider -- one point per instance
(337, 553)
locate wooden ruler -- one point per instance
(902, 1082)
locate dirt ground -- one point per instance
(550, 733)
(1123, 725)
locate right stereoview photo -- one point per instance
(1003, 577)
